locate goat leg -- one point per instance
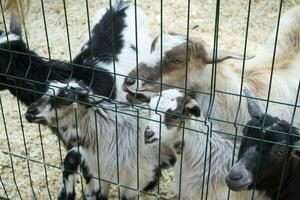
(70, 167)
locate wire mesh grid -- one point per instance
(31, 156)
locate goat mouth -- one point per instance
(238, 185)
(34, 119)
(150, 140)
(137, 98)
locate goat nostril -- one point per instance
(129, 81)
(32, 111)
(235, 176)
(29, 116)
(149, 133)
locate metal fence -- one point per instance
(31, 156)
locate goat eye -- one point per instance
(178, 60)
(279, 151)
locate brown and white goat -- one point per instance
(223, 96)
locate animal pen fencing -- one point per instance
(32, 157)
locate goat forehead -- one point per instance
(56, 86)
(167, 100)
(169, 42)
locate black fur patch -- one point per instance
(133, 47)
(71, 163)
(99, 196)
(152, 184)
(64, 196)
(86, 172)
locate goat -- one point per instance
(177, 112)
(30, 72)
(228, 83)
(106, 139)
(265, 161)
(97, 53)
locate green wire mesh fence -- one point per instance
(32, 157)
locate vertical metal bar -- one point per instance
(117, 150)
(47, 38)
(26, 39)
(98, 154)
(5, 192)
(161, 74)
(90, 41)
(113, 45)
(241, 88)
(9, 149)
(78, 142)
(5, 29)
(44, 161)
(138, 124)
(58, 132)
(213, 88)
(25, 146)
(68, 38)
(185, 91)
(286, 152)
(270, 85)
(137, 145)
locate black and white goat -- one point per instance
(19, 69)
(178, 111)
(110, 143)
(265, 160)
(112, 37)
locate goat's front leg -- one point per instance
(70, 167)
(94, 191)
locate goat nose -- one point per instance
(235, 175)
(129, 81)
(148, 133)
(32, 111)
(29, 116)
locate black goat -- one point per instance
(263, 165)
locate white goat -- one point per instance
(176, 111)
(109, 147)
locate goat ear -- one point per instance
(223, 55)
(253, 107)
(15, 25)
(191, 108)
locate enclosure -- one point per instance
(31, 156)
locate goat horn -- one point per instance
(15, 25)
(253, 107)
(224, 55)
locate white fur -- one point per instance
(11, 37)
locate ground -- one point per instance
(26, 141)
